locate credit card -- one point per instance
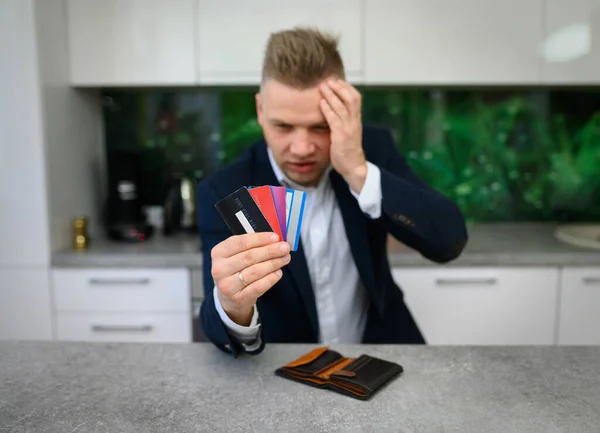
(263, 197)
(279, 200)
(241, 213)
(289, 196)
(296, 212)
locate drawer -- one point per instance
(482, 306)
(197, 284)
(580, 307)
(127, 290)
(124, 327)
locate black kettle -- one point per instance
(179, 206)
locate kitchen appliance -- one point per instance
(179, 209)
(125, 219)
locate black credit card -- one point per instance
(241, 213)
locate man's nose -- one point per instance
(301, 144)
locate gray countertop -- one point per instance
(506, 244)
(102, 387)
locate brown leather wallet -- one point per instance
(359, 378)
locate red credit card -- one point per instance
(264, 199)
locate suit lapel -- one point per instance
(295, 274)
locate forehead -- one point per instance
(292, 105)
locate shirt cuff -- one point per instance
(370, 196)
(247, 335)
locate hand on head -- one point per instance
(341, 106)
(244, 267)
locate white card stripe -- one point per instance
(244, 221)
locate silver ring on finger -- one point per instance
(241, 278)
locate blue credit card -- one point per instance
(295, 201)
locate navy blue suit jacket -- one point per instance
(412, 212)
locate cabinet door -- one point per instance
(579, 307)
(452, 42)
(125, 327)
(122, 290)
(571, 46)
(232, 34)
(482, 306)
(24, 240)
(132, 42)
(25, 305)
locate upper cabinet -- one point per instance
(571, 46)
(450, 42)
(382, 42)
(232, 34)
(132, 42)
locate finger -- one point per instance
(348, 94)
(342, 92)
(253, 291)
(232, 265)
(260, 270)
(333, 119)
(334, 101)
(236, 244)
(234, 284)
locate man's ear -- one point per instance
(259, 111)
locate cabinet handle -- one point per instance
(465, 281)
(117, 281)
(122, 328)
(591, 280)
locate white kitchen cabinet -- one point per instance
(482, 306)
(25, 312)
(452, 42)
(24, 238)
(579, 317)
(232, 34)
(125, 327)
(116, 304)
(132, 42)
(570, 51)
(164, 290)
(48, 151)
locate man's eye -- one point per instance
(282, 127)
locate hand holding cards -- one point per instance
(246, 265)
(265, 208)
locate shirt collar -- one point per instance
(285, 181)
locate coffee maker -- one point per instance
(124, 216)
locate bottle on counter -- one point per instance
(80, 235)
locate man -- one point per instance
(337, 287)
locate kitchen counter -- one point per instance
(102, 387)
(507, 244)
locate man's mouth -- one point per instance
(301, 167)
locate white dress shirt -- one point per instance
(341, 299)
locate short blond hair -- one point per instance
(302, 57)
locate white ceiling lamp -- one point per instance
(567, 43)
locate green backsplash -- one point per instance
(501, 155)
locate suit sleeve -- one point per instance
(414, 213)
(212, 230)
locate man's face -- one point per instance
(295, 130)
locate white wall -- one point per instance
(72, 130)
